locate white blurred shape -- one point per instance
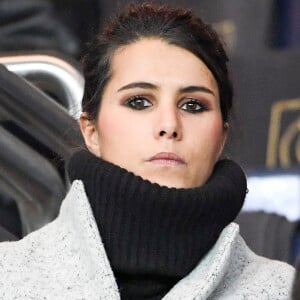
(279, 194)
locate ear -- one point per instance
(224, 137)
(90, 134)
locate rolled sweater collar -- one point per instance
(154, 233)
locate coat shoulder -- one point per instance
(63, 260)
(251, 276)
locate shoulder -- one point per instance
(250, 276)
(61, 258)
(75, 220)
(230, 270)
(72, 207)
(42, 241)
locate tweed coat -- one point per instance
(66, 260)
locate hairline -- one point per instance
(111, 51)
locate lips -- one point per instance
(167, 158)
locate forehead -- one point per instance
(155, 60)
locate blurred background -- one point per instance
(41, 84)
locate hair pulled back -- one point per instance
(175, 26)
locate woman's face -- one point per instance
(160, 115)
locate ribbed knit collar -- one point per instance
(154, 232)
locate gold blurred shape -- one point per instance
(280, 144)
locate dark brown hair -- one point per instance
(175, 26)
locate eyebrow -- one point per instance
(196, 88)
(148, 85)
(140, 84)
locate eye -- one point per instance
(138, 103)
(193, 106)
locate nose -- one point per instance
(168, 124)
(168, 134)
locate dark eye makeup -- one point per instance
(138, 102)
(193, 106)
(189, 105)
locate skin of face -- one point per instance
(160, 115)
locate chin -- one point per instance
(171, 183)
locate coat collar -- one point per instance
(201, 281)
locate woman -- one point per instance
(149, 214)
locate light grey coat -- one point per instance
(66, 260)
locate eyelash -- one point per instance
(201, 106)
(131, 103)
(131, 100)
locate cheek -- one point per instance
(118, 133)
(104, 124)
(110, 129)
(218, 137)
(211, 138)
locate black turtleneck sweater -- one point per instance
(154, 235)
